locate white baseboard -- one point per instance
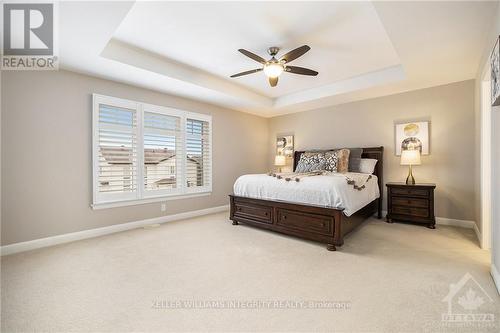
(479, 235)
(462, 224)
(456, 223)
(496, 276)
(74, 236)
(446, 221)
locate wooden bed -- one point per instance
(326, 225)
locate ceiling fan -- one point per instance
(273, 67)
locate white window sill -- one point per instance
(113, 204)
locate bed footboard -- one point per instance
(325, 225)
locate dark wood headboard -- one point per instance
(371, 152)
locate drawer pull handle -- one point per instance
(265, 213)
(284, 217)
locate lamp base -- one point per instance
(410, 180)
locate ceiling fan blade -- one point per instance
(253, 56)
(294, 54)
(273, 81)
(247, 72)
(300, 70)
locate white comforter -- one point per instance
(329, 190)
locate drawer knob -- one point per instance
(265, 213)
(284, 217)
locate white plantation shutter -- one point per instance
(144, 152)
(198, 153)
(162, 153)
(116, 153)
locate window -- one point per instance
(170, 150)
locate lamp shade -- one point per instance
(410, 157)
(279, 160)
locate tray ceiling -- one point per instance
(360, 49)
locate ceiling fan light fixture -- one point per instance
(273, 69)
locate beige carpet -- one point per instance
(390, 278)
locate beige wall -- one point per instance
(46, 148)
(449, 108)
(46, 154)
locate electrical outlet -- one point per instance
(163, 207)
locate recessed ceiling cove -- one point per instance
(360, 49)
(206, 36)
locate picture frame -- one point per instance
(284, 145)
(412, 135)
(495, 74)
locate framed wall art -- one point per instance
(412, 135)
(495, 74)
(284, 145)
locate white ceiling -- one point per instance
(199, 36)
(360, 49)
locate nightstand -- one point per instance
(411, 203)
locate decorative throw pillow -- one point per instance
(354, 164)
(343, 164)
(354, 159)
(337, 160)
(310, 162)
(367, 165)
(310, 167)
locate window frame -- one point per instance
(141, 195)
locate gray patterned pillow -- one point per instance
(310, 162)
(310, 167)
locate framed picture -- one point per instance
(284, 145)
(413, 135)
(495, 74)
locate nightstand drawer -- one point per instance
(410, 211)
(408, 191)
(410, 202)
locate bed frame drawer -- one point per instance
(319, 224)
(254, 212)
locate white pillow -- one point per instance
(367, 165)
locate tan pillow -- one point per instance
(337, 160)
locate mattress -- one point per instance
(331, 190)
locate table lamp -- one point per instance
(410, 157)
(279, 161)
